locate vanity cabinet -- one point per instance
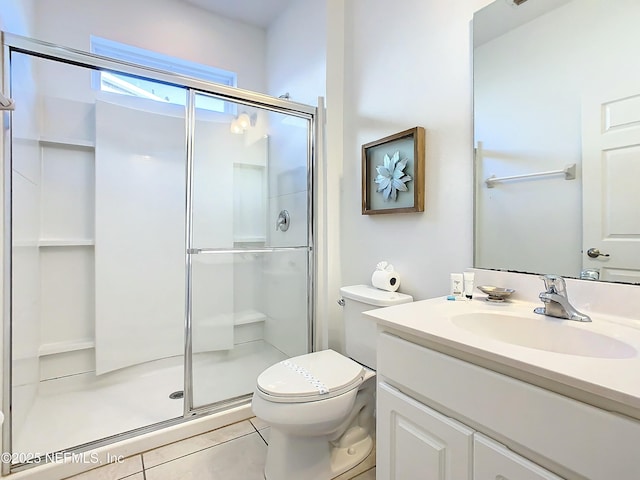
(442, 417)
(419, 442)
(416, 441)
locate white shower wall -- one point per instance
(26, 216)
(286, 324)
(60, 189)
(139, 221)
(66, 137)
(66, 113)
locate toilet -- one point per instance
(320, 406)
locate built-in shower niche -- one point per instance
(67, 238)
(66, 248)
(52, 217)
(250, 193)
(52, 246)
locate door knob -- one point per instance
(595, 253)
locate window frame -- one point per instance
(147, 58)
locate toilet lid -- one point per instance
(314, 376)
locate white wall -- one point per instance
(404, 65)
(296, 52)
(170, 27)
(16, 16)
(396, 81)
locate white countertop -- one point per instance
(610, 383)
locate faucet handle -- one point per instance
(555, 284)
(284, 221)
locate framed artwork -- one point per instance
(393, 173)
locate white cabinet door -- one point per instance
(492, 460)
(416, 442)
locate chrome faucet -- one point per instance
(556, 303)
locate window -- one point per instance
(146, 88)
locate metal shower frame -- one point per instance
(18, 44)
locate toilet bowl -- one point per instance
(320, 406)
(322, 425)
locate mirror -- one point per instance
(557, 138)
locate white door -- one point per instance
(415, 442)
(611, 184)
(492, 460)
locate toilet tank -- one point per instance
(360, 331)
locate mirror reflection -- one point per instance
(557, 137)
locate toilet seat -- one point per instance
(311, 377)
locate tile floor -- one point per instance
(235, 452)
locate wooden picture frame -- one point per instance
(404, 153)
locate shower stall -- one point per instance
(157, 241)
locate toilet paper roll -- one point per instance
(389, 281)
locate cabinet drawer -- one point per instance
(492, 461)
(548, 428)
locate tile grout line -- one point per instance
(263, 439)
(258, 431)
(144, 470)
(254, 427)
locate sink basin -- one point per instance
(544, 334)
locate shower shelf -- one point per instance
(63, 347)
(67, 142)
(65, 242)
(248, 316)
(246, 239)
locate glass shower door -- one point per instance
(97, 241)
(249, 279)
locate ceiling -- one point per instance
(254, 12)
(499, 17)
